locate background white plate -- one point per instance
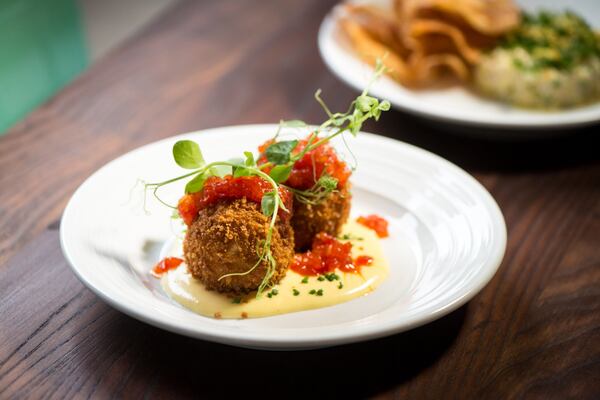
(447, 239)
(456, 104)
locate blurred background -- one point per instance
(46, 44)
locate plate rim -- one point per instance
(552, 121)
(369, 332)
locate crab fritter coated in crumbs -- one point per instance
(327, 216)
(224, 239)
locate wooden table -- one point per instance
(533, 332)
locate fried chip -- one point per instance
(489, 17)
(440, 37)
(432, 68)
(426, 39)
(369, 49)
(380, 24)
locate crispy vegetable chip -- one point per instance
(489, 17)
(369, 49)
(427, 40)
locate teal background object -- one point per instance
(41, 49)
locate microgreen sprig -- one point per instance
(324, 186)
(280, 154)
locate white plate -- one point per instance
(447, 240)
(456, 105)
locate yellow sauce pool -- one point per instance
(192, 294)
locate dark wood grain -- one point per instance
(533, 332)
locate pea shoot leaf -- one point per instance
(327, 182)
(249, 159)
(196, 184)
(241, 171)
(221, 170)
(363, 103)
(187, 154)
(280, 173)
(279, 153)
(267, 204)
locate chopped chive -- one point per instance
(313, 291)
(347, 236)
(341, 285)
(269, 295)
(275, 292)
(296, 292)
(321, 278)
(320, 292)
(237, 300)
(305, 279)
(332, 277)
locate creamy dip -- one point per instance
(293, 293)
(499, 76)
(550, 61)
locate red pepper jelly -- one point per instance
(229, 188)
(361, 261)
(376, 223)
(307, 170)
(327, 255)
(165, 265)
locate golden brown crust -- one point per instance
(327, 216)
(224, 239)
